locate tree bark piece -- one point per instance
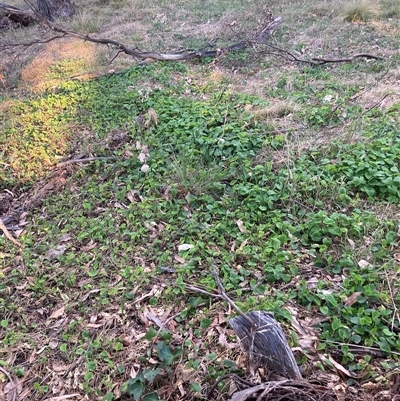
(16, 15)
(266, 345)
(53, 9)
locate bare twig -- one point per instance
(85, 160)
(13, 385)
(285, 389)
(376, 104)
(225, 296)
(294, 58)
(232, 376)
(362, 348)
(395, 310)
(35, 42)
(8, 235)
(201, 291)
(323, 60)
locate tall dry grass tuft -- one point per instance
(359, 10)
(87, 22)
(390, 8)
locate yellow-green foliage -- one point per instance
(35, 134)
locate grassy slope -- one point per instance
(285, 175)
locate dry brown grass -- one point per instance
(278, 109)
(297, 141)
(163, 26)
(383, 96)
(81, 55)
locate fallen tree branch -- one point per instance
(259, 38)
(189, 54)
(193, 288)
(294, 57)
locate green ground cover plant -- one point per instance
(297, 204)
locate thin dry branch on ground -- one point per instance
(7, 234)
(324, 60)
(11, 393)
(298, 390)
(86, 160)
(54, 184)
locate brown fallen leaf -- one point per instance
(18, 233)
(223, 340)
(32, 357)
(351, 243)
(337, 365)
(59, 367)
(134, 196)
(126, 340)
(242, 228)
(57, 313)
(363, 263)
(340, 391)
(352, 299)
(22, 286)
(152, 118)
(179, 259)
(65, 237)
(55, 252)
(64, 397)
(89, 246)
(86, 296)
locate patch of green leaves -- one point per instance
(373, 169)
